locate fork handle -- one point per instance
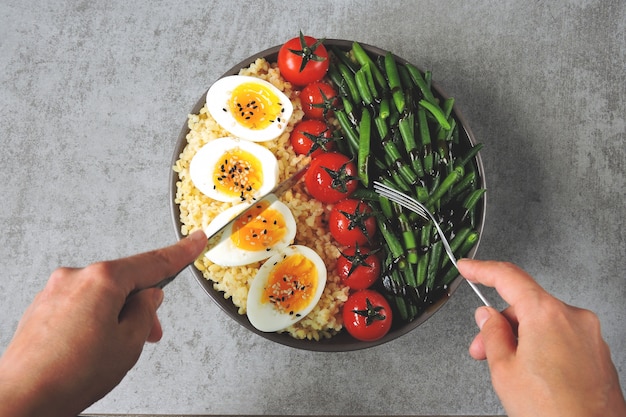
(478, 293)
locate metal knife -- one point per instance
(274, 194)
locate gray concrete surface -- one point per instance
(94, 95)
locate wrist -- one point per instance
(23, 393)
(14, 394)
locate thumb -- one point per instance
(496, 334)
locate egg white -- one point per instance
(202, 166)
(217, 99)
(226, 253)
(264, 316)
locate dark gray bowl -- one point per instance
(343, 341)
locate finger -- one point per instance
(496, 335)
(477, 348)
(147, 269)
(157, 331)
(138, 317)
(512, 283)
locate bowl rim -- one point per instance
(342, 342)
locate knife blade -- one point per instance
(215, 237)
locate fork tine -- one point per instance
(400, 198)
(412, 204)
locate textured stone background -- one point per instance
(94, 95)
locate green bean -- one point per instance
(470, 202)
(400, 302)
(422, 268)
(405, 171)
(349, 132)
(468, 244)
(427, 154)
(363, 58)
(338, 80)
(407, 132)
(444, 186)
(394, 82)
(421, 83)
(405, 126)
(410, 245)
(344, 59)
(381, 127)
(397, 164)
(422, 263)
(456, 242)
(421, 193)
(348, 109)
(466, 182)
(395, 180)
(367, 69)
(447, 106)
(450, 275)
(385, 206)
(348, 77)
(362, 86)
(365, 194)
(405, 78)
(364, 147)
(394, 245)
(428, 75)
(446, 135)
(383, 110)
(436, 111)
(434, 264)
(468, 155)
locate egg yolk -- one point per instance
(255, 106)
(259, 229)
(291, 284)
(238, 173)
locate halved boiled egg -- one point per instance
(264, 230)
(249, 107)
(286, 288)
(229, 169)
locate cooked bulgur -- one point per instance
(197, 210)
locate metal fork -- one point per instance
(414, 205)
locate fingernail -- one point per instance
(196, 236)
(481, 315)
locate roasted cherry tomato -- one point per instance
(319, 100)
(358, 267)
(331, 177)
(367, 315)
(303, 60)
(312, 137)
(351, 222)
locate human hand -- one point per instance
(546, 358)
(83, 332)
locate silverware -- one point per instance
(414, 205)
(215, 237)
